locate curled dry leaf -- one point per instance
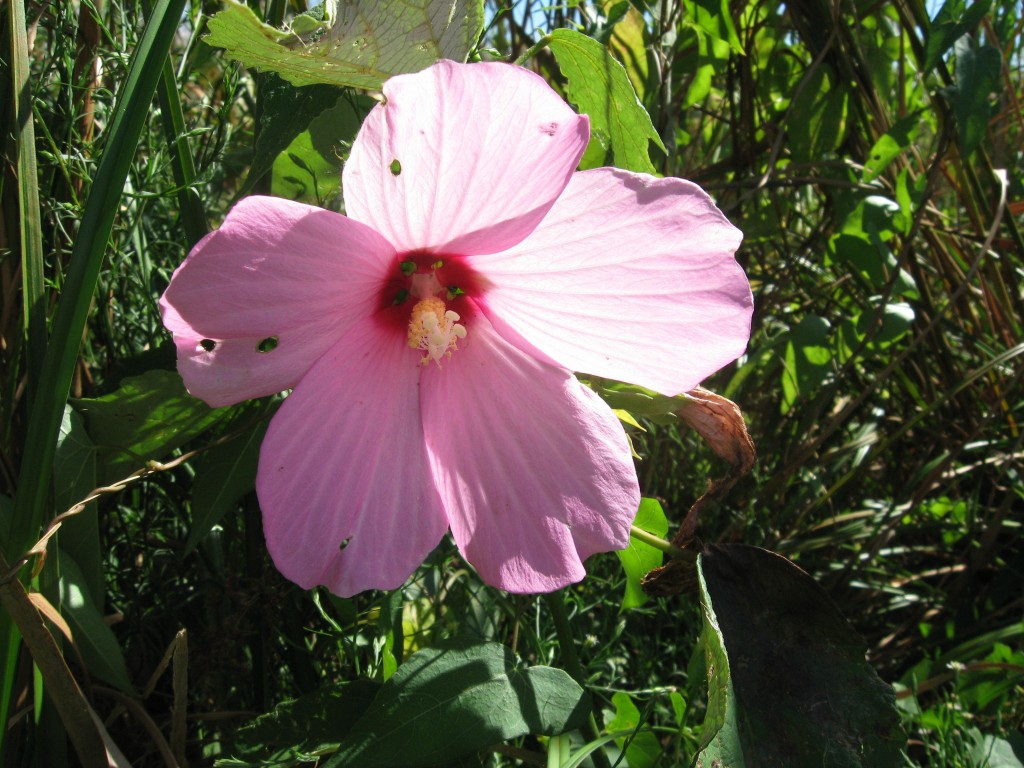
(720, 422)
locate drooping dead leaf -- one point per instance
(720, 422)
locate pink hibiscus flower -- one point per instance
(430, 335)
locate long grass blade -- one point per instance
(58, 364)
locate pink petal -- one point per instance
(533, 468)
(630, 278)
(274, 270)
(344, 460)
(483, 150)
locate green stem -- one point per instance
(536, 48)
(193, 217)
(659, 543)
(567, 643)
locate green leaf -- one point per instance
(712, 59)
(977, 78)
(953, 21)
(896, 321)
(627, 41)
(714, 19)
(641, 746)
(93, 637)
(224, 474)
(74, 477)
(993, 752)
(599, 87)
(146, 418)
(818, 116)
(889, 146)
(639, 558)
(286, 112)
(720, 745)
(301, 730)
(310, 170)
(872, 261)
(368, 41)
(456, 698)
(808, 359)
(803, 693)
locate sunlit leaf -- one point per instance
(627, 41)
(714, 18)
(954, 19)
(93, 637)
(363, 46)
(889, 146)
(639, 557)
(808, 359)
(642, 747)
(818, 114)
(286, 111)
(599, 87)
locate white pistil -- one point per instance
(434, 330)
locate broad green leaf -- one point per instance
(224, 474)
(93, 637)
(955, 19)
(712, 58)
(627, 41)
(366, 43)
(301, 730)
(74, 477)
(977, 78)
(714, 19)
(599, 87)
(720, 745)
(146, 418)
(288, 110)
(872, 261)
(993, 752)
(639, 558)
(896, 321)
(456, 698)
(818, 116)
(803, 695)
(310, 169)
(642, 747)
(889, 146)
(808, 359)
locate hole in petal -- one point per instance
(408, 268)
(453, 291)
(268, 344)
(344, 544)
(396, 167)
(208, 345)
(400, 297)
